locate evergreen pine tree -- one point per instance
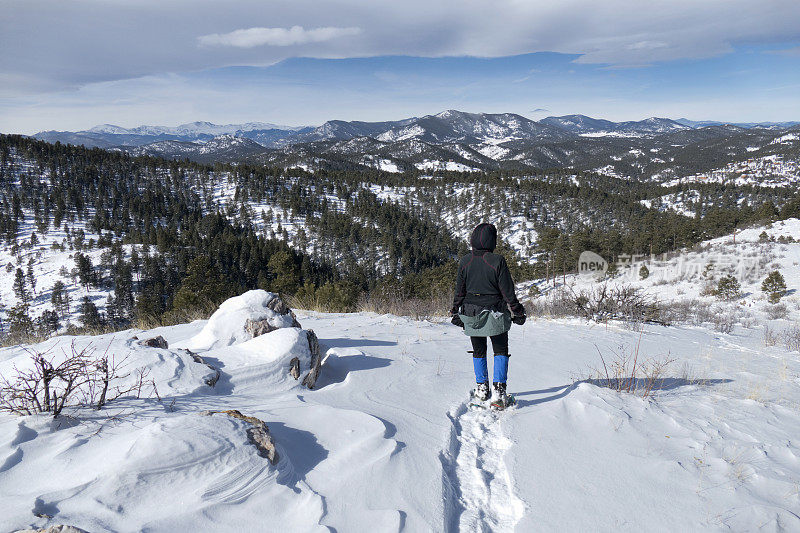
(21, 287)
(728, 288)
(285, 274)
(20, 325)
(775, 286)
(59, 298)
(47, 323)
(203, 288)
(31, 277)
(90, 316)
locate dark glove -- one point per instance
(518, 319)
(456, 321)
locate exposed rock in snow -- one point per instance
(54, 529)
(258, 434)
(316, 360)
(209, 380)
(294, 368)
(155, 342)
(257, 328)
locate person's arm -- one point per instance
(507, 289)
(460, 290)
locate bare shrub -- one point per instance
(770, 336)
(777, 311)
(695, 312)
(724, 320)
(627, 303)
(748, 321)
(556, 304)
(705, 313)
(628, 372)
(47, 387)
(69, 378)
(791, 338)
(708, 288)
(110, 381)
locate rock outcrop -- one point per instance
(243, 318)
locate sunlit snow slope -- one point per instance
(385, 442)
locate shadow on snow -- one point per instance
(638, 384)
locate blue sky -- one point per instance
(71, 65)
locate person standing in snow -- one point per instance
(484, 294)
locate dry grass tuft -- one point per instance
(631, 373)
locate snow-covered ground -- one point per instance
(51, 260)
(445, 165)
(385, 441)
(767, 171)
(469, 211)
(682, 202)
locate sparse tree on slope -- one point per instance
(774, 286)
(728, 288)
(21, 287)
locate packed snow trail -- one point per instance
(482, 489)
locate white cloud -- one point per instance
(251, 37)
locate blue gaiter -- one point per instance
(481, 369)
(500, 368)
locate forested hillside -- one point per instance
(101, 239)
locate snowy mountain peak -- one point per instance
(108, 128)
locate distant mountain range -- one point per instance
(453, 140)
(109, 135)
(446, 127)
(765, 125)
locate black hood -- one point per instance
(484, 237)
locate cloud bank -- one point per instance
(250, 37)
(74, 64)
(53, 45)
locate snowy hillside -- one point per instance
(222, 148)
(684, 282)
(385, 442)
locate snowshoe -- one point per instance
(502, 403)
(480, 396)
(483, 392)
(501, 400)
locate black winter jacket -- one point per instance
(483, 280)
